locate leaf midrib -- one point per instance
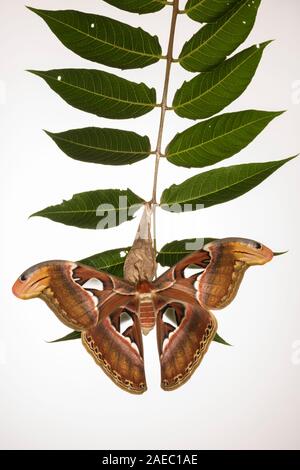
(220, 82)
(215, 33)
(136, 103)
(112, 265)
(100, 40)
(119, 209)
(174, 252)
(102, 266)
(98, 148)
(83, 210)
(160, 2)
(219, 137)
(225, 187)
(187, 10)
(115, 251)
(193, 7)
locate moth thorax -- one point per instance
(145, 298)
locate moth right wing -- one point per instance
(120, 355)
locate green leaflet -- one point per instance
(100, 93)
(77, 335)
(174, 251)
(210, 92)
(68, 337)
(101, 39)
(111, 261)
(217, 138)
(206, 11)
(217, 186)
(214, 42)
(100, 209)
(105, 146)
(138, 6)
(220, 340)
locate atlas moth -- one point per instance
(93, 302)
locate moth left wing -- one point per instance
(120, 355)
(229, 260)
(224, 263)
(80, 296)
(182, 342)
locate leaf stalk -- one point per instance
(164, 109)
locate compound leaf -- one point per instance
(105, 146)
(217, 138)
(138, 6)
(210, 92)
(206, 11)
(101, 39)
(100, 93)
(215, 41)
(103, 208)
(217, 186)
(111, 261)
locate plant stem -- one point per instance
(164, 109)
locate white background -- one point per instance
(54, 396)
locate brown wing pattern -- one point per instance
(181, 348)
(119, 355)
(229, 260)
(182, 345)
(92, 301)
(79, 296)
(199, 258)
